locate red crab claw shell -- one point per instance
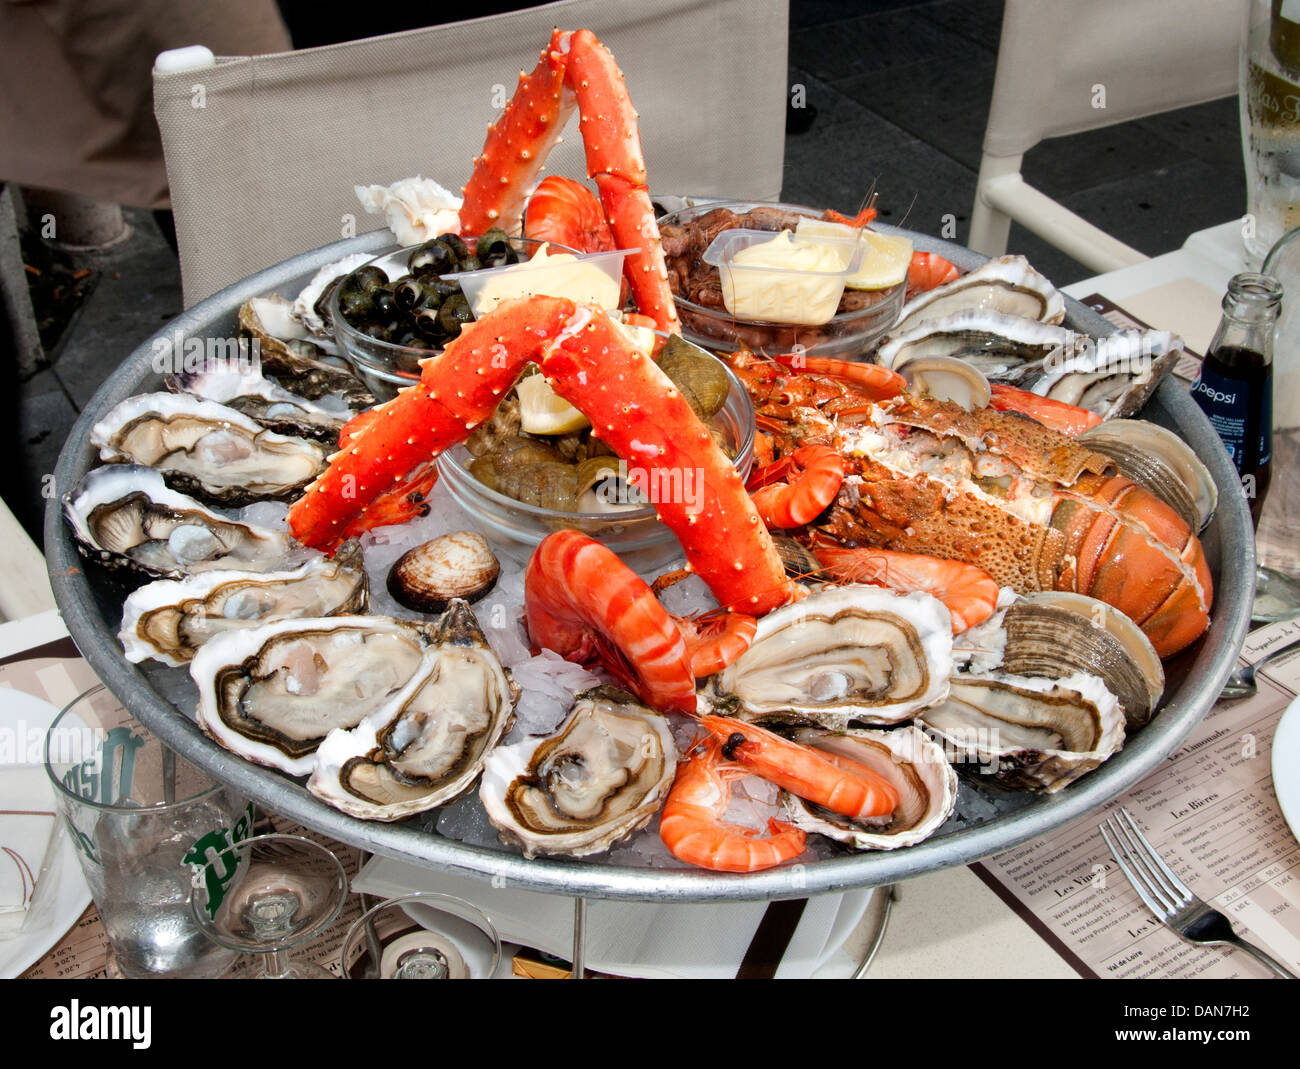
(615, 160)
(635, 409)
(518, 143)
(395, 442)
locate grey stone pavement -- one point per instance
(898, 93)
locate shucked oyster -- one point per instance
(600, 777)
(294, 361)
(246, 391)
(1005, 284)
(912, 763)
(272, 693)
(1028, 733)
(843, 654)
(170, 619)
(207, 449)
(124, 515)
(427, 745)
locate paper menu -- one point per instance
(1211, 812)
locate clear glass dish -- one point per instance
(846, 336)
(622, 531)
(386, 367)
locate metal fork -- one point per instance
(1191, 919)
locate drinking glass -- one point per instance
(142, 820)
(426, 936)
(284, 890)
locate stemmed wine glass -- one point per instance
(425, 936)
(277, 892)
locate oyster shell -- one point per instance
(1006, 348)
(1112, 376)
(912, 762)
(311, 306)
(272, 693)
(1005, 284)
(296, 362)
(126, 516)
(427, 745)
(207, 449)
(169, 620)
(1028, 733)
(843, 654)
(600, 777)
(246, 391)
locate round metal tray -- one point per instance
(91, 599)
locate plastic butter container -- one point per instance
(590, 276)
(783, 278)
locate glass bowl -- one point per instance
(622, 531)
(847, 336)
(386, 367)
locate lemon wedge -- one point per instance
(543, 411)
(886, 261)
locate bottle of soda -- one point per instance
(1235, 389)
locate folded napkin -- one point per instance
(27, 826)
(795, 939)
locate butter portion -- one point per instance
(559, 274)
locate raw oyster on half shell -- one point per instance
(1028, 733)
(125, 516)
(169, 620)
(602, 775)
(248, 392)
(1005, 284)
(207, 449)
(843, 654)
(272, 693)
(909, 760)
(427, 745)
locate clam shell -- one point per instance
(1162, 462)
(456, 565)
(947, 378)
(1055, 634)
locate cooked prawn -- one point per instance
(716, 639)
(814, 476)
(1059, 415)
(692, 828)
(584, 603)
(844, 787)
(928, 270)
(968, 591)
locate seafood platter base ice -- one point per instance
(919, 628)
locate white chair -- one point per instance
(262, 152)
(1065, 66)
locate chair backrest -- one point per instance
(1065, 66)
(263, 152)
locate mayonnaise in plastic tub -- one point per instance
(783, 278)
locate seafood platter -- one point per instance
(903, 610)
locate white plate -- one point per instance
(29, 714)
(1286, 765)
